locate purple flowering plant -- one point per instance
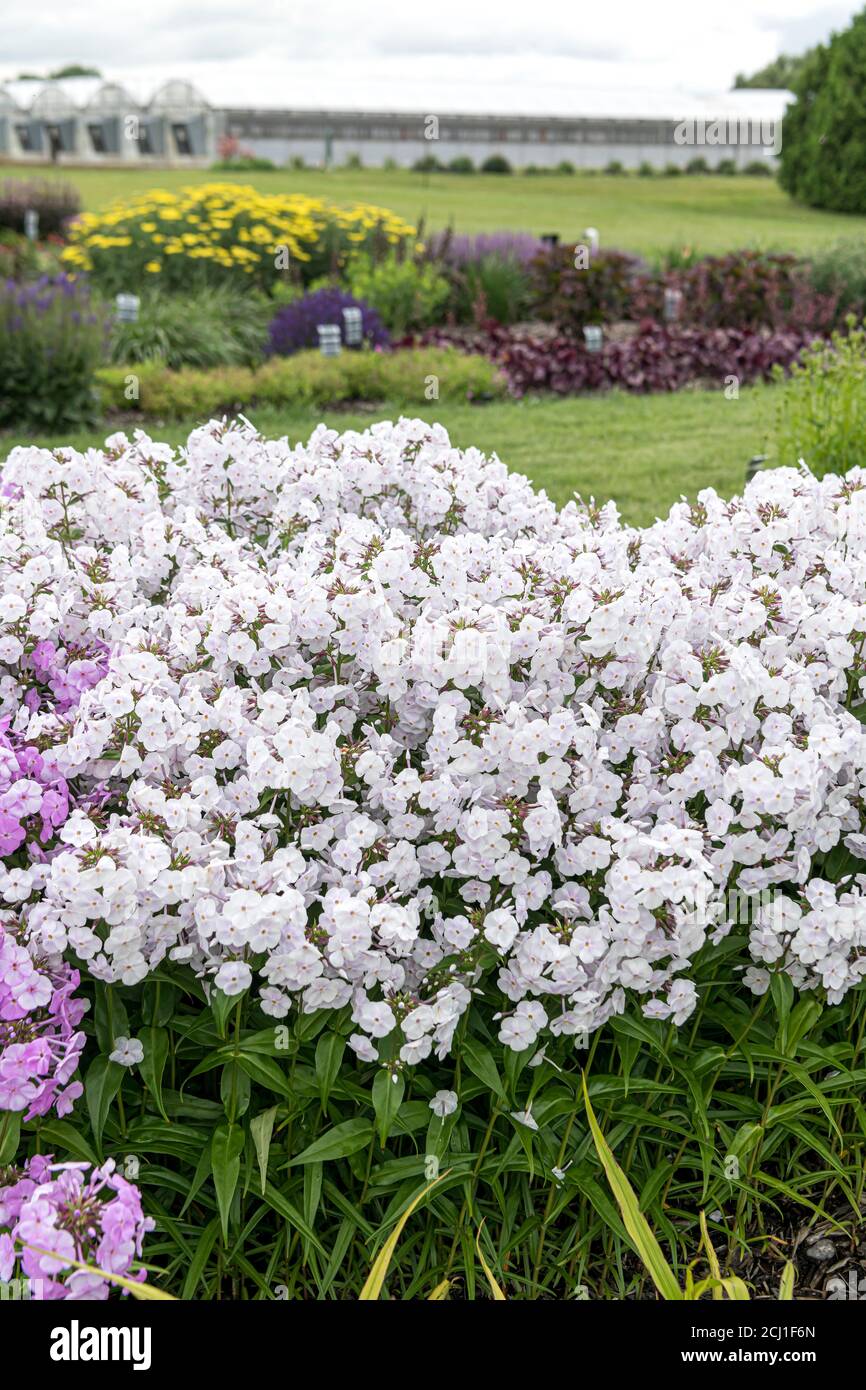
(53, 336)
(295, 326)
(56, 1216)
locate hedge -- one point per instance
(409, 377)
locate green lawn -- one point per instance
(643, 451)
(639, 214)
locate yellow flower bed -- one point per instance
(224, 229)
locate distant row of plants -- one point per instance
(500, 164)
(244, 161)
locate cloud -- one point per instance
(313, 52)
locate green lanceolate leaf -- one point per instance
(10, 1133)
(261, 1129)
(152, 1066)
(339, 1142)
(103, 1081)
(479, 1060)
(226, 1146)
(388, 1093)
(329, 1055)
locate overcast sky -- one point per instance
(496, 55)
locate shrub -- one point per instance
(754, 289)
(295, 326)
(214, 327)
(759, 169)
(614, 166)
(838, 271)
(217, 233)
(243, 164)
(745, 289)
(821, 417)
(645, 169)
(496, 164)
(428, 164)
(305, 379)
(52, 338)
(821, 161)
(726, 167)
(572, 296)
(461, 165)
(672, 171)
(564, 166)
(698, 165)
(407, 294)
(488, 274)
(55, 202)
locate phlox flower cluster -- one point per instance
(371, 725)
(32, 794)
(40, 1041)
(54, 1214)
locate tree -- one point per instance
(782, 72)
(823, 157)
(70, 70)
(74, 70)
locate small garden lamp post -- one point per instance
(127, 306)
(31, 224)
(353, 327)
(590, 236)
(593, 336)
(329, 339)
(673, 304)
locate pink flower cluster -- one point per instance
(32, 794)
(40, 1043)
(67, 1215)
(66, 679)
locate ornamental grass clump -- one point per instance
(488, 273)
